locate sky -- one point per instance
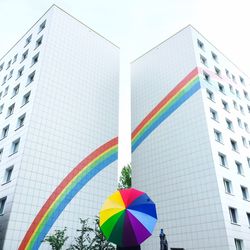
(136, 26)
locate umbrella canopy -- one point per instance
(128, 217)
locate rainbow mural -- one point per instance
(101, 158)
(65, 192)
(177, 96)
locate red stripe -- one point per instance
(192, 74)
(61, 187)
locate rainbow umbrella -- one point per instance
(128, 217)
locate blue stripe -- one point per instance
(78, 186)
(165, 115)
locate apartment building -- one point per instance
(58, 104)
(191, 143)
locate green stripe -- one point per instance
(178, 96)
(68, 189)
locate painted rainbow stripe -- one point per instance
(176, 97)
(101, 158)
(65, 192)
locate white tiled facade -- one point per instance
(179, 164)
(71, 75)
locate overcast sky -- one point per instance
(136, 26)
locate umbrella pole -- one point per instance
(129, 248)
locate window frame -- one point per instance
(8, 174)
(2, 204)
(229, 187)
(20, 121)
(239, 166)
(15, 146)
(233, 215)
(223, 160)
(245, 193)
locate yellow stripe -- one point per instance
(66, 188)
(164, 106)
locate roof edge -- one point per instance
(53, 6)
(189, 25)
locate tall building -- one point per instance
(58, 106)
(191, 143)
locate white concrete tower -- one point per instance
(191, 153)
(58, 104)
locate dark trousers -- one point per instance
(129, 248)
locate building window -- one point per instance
(25, 55)
(15, 90)
(233, 77)
(2, 204)
(1, 109)
(15, 146)
(4, 80)
(1, 154)
(20, 121)
(234, 145)
(221, 88)
(28, 40)
(200, 44)
(210, 95)
(242, 80)
(228, 186)
(242, 110)
(39, 42)
(248, 162)
(235, 105)
(214, 56)
(237, 93)
(248, 218)
(244, 141)
(238, 244)
(233, 215)
(6, 91)
(15, 58)
(42, 26)
(5, 131)
(225, 105)
(222, 159)
(31, 77)
(203, 60)
(9, 63)
(239, 168)
(245, 194)
(35, 59)
(239, 122)
(246, 127)
(246, 94)
(231, 88)
(20, 72)
(1, 67)
(229, 124)
(248, 109)
(217, 71)
(218, 136)
(8, 173)
(26, 98)
(214, 114)
(11, 73)
(10, 110)
(206, 76)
